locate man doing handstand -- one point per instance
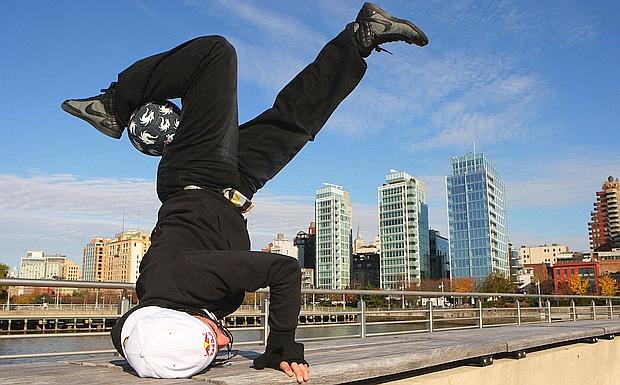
(199, 266)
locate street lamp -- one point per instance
(538, 288)
(443, 300)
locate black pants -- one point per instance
(210, 149)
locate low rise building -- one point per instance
(281, 245)
(542, 254)
(588, 271)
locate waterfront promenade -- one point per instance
(447, 357)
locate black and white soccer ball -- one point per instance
(152, 126)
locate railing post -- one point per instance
(593, 309)
(123, 306)
(480, 313)
(265, 319)
(574, 311)
(431, 317)
(361, 306)
(611, 310)
(548, 311)
(518, 313)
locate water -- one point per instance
(51, 345)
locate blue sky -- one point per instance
(534, 84)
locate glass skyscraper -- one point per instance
(403, 228)
(476, 218)
(333, 238)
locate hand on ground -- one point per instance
(301, 371)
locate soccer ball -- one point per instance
(152, 126)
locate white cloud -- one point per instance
(567, 179)
(291, 214)
(61, 213)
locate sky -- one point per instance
(534, 85)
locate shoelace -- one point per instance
(107, 98)
(369, 20)
(381, 49)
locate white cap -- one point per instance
(166, 343)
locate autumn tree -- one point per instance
(578, 286)
(464, 285)
(607, 285)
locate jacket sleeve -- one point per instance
(211, 276)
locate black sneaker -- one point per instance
(375, 26)
(98, 111)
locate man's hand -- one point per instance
(302, 372)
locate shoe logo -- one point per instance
(89, 110)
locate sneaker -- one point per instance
(376, 26)
(98, 110)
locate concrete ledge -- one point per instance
(337, 361)
(574, 364)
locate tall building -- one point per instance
(281, 245)
(542, 254)
(306, 255)
(439, 251)
(306, 247)
(477, 218)
(516, 263)
(123, 255)
(365, 270)
(403, 229)
(604, 227)
(93, 261)
(333, 234)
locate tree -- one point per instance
(464, 285)
(578, 286)
(374, 301)
(4, 271)
(607, 285)
(434, 285)
(497, 282)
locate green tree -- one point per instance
(4, 272)
(497, 282)
(374, 301)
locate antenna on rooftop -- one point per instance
(123, 228)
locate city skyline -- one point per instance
(533, 85)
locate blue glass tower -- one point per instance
(476, 218)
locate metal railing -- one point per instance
(411, 312)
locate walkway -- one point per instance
(372, 360)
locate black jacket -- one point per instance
(199, 258)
